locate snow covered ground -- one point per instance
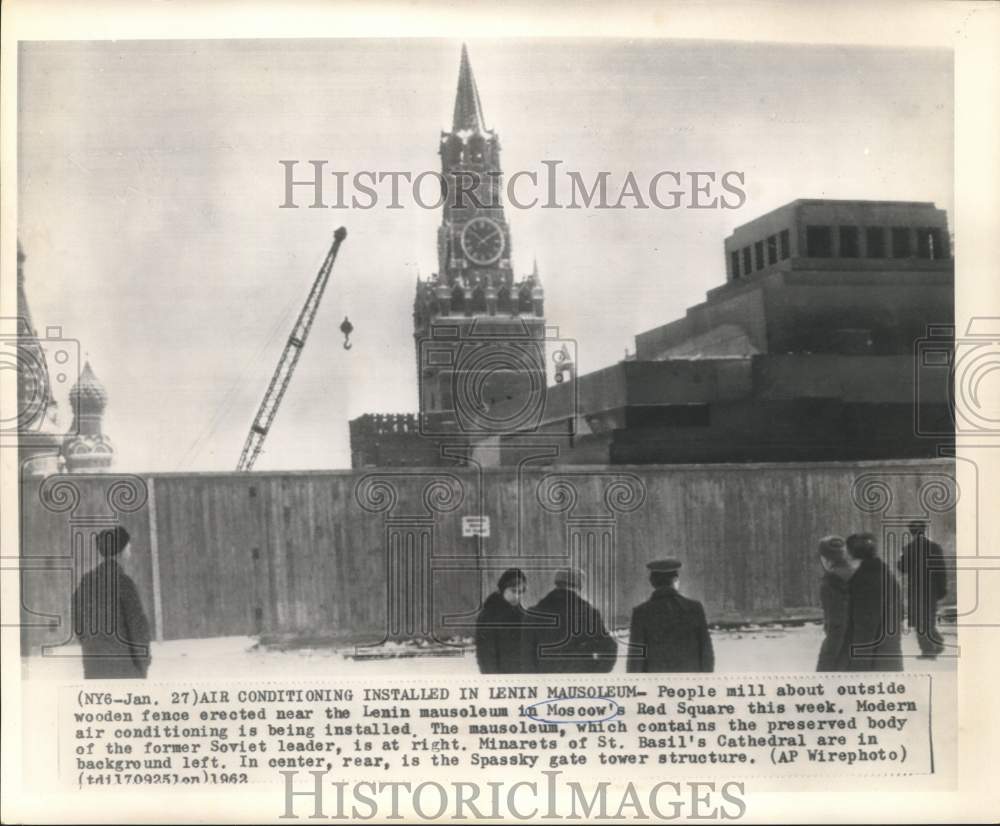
(767, 649)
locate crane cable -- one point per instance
(242, 380)
(195, 448)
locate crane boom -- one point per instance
(289, 358)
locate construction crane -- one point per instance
(290, 357)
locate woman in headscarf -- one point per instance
(500, 646)
(835, 597)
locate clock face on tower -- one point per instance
(482, 241)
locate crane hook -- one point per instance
(347, 328)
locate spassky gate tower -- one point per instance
(479, 333)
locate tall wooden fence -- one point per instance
(370, 555)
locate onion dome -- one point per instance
(88, 395)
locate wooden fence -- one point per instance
(370, 555)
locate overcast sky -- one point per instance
(150, 184)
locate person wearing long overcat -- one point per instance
(876, 610)
(670, 629)
(108, 618)
(835, 598)
(500, 643)
(566, 633)
(922, 563)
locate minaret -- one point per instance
(478, 333)
(86, 449)
(37, 438)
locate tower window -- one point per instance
(503, 300)
(819, 242)
(524, 304)
(875, 241)
(478, 303)
(758, 254)
(746, 261)
(772, 249)
(475, 148)
(849, 242)
(734, 263)
(785, 246)
(900, 242)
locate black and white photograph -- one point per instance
(624, 379)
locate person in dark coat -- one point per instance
(922, 563)
(566, 633)
(107, 615)
(500, 643)
(876, 610)
(835, 597)
(671, 628)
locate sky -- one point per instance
(150, 184)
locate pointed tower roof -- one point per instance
(25, 326)
(36, 407)
(468, 109)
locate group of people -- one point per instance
(859, 593)
(862, 601)
(564, 633)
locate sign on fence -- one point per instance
(475, 526)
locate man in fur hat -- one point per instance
(107, 615)
(567, 634)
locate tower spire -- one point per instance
(468, 109)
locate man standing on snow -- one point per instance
(922, 563)
(566, 634)
(107, 615)
(671, 628)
